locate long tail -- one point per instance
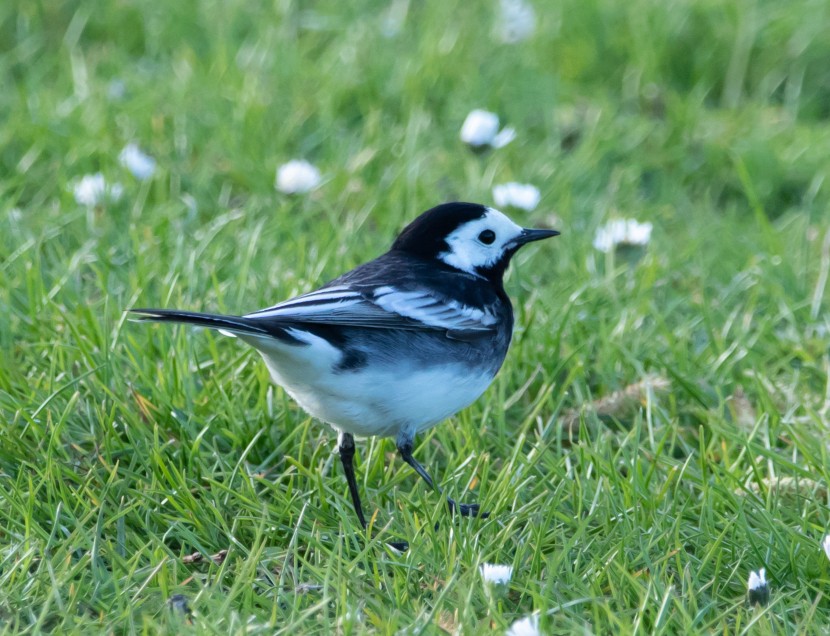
(234, 324)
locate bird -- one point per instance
(398, 344)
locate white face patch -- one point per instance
(469, 249)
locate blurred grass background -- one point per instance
(124, 448)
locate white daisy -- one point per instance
(142, 165)
(622, 232)
(297, 177)
(517, 195)
(527, 626)
(92, 189)
(758, 588)
(826, 545)
(515, 21)
(496, 574)
(481, 129)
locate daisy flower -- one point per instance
(758, 588)
(517, 195)
(297, 177)
(622, 232)
(527, 626)
(496, 574)
(515, 21)
(139, 163)
(92, 190)
(481, 130)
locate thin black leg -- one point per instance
(345, 443)
(346, 448)
(465, 510)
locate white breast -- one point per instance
(371, 401)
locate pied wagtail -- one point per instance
(398, 344)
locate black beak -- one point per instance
(529, 235)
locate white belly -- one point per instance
(370, 401)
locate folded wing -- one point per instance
(385, 307)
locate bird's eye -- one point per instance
(487, 237)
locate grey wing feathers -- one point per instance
(379, 307)
(333, 306)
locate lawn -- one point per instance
(659, 429)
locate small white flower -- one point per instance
(518, 195)
(515, 21)
(826, 545)
(481, 128)
(757, 579)
(92, 189)
(527, 626)
(496, 574)
(622, 232)
(138, 162)
(504, 137)
(297, 177)
(758, 588)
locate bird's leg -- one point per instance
(466, 510)
(345, 443)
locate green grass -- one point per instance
(126, 447)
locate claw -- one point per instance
(467, 510)
(400, 546)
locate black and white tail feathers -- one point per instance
(234, 324)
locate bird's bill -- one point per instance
(529, 235)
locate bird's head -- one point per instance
(469, 237)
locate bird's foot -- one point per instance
(466, 510)
(400, 546)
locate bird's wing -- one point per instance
(385, 307)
